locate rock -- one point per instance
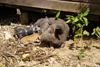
(7, 35)
(78, 65)
(47, 63)
(24, 56)
(51, 60)
(55, 61)
(21, 64)
(56, 65)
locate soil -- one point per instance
(41, 55)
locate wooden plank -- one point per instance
(87, 1)
(24, 17)
(55, 5)
(84, 1)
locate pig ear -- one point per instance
(31, 25)
(58, 29)
(49, 22)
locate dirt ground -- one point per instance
(40, 55)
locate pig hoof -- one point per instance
(22, 45)
(62, 46)
(52, 48)
(37, 41)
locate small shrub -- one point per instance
(78, 22)
(81, 52)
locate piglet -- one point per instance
(24, 31)
(30, 39)
(43, 23)
(56, 34)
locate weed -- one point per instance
(96, 31)
(81, 52)
(78, 22)
(58, 14)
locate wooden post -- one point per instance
(24, 17)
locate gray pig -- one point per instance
(24, 31)
(56, 34)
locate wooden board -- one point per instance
(88, 1)
(55, 5)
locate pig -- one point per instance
(30, 39)
(24, 31)
(43, 23)
(56, 34)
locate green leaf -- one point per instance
(80, 51)
(97, 35)
(81, 12)
(44, 11)
(58, 14)
(73, 28)
(85, 33)
(85, 49)
(97, 32)
(80, 56)
(78, 34)
(75, 19)
(86, 12)
(79, 25)
(74, 38)
(68, 21)
(86, 21)
(81, 19)
(69, 17)
(80, 15)
(93, 31)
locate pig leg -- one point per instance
(20, 43)
(18, 40)
(16, 36)
(37, 41)
(51, 47)
(63, 45)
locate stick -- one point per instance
(47, 56)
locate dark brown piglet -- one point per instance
(56, 34)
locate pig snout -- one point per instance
(39, 38)
(36, 29)
(46, 37)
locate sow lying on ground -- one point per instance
(56, 34)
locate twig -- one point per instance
(9, 55)
(47, 56)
